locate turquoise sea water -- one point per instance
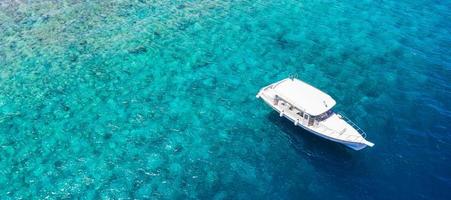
(156, 99)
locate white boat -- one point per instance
(311, 109)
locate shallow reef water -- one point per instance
(156, 99)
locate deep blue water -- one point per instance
(156, 99)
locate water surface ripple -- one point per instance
(156, 99)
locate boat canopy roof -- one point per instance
(304, 96)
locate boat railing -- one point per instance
(335, 132)
(361, 132)
(293, 76)
(301, 120)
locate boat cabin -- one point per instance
(310, 104)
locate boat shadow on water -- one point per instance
(318, 151)
(334, 162)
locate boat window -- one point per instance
(300, 113)
(310, 121)
(324, 116)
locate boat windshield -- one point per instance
(325, 115)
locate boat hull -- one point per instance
(352, 145)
